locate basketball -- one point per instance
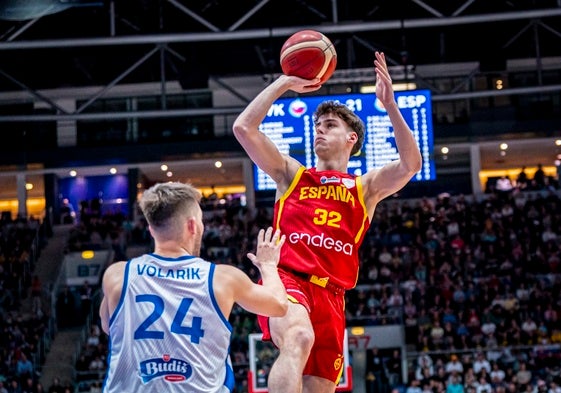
(308, 54)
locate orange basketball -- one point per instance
(308, 54)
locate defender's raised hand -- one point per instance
(269, 244)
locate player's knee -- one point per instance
(301, 338)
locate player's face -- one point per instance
(331, 134)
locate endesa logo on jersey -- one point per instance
(321, 241)
(172, 370)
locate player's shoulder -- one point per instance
(226, 269)
(116, 267)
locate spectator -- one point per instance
(481, 363)
(36, 293)
(82, 367)
(483, 386)
(14, 386)
(497, 374)
(424, 367)
(85, 299)
(24, 368)
(523, 375)
(395, 303)
(554, 387)
(529, 330)
(97, 367)
(93, 338)
(375, 372)
(522, 179)
(504, 187)
(541, 386)
(455, 385)
(95, 387)
(28, 386)
(470, 379)
(436, 333)
(539, 181)
(414, 386)
(393, 366)
(56, 386)
(454, 365)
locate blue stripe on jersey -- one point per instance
(230, 381)
(213, 298)
(123, 290)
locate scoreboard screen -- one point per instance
(289, 124)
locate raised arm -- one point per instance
(262, 151)
(383, 182)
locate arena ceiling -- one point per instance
(68, 43)
(50, 44)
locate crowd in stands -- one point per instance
(22, 334)
(476, 284)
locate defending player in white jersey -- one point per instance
(166, 313)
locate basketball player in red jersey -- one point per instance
(325, 213)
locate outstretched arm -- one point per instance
(234, 286)
(262, 151)
(266, 259)
(393, 176)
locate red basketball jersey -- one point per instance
(324, 218)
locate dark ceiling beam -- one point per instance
(236, 110)
(342, 28)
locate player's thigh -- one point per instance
(312, 384)
(294, 325)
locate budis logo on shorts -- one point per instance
(172, 370)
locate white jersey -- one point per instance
(167, 333)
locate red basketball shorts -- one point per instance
(327, 314)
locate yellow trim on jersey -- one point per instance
(360, 192)
(292, 299)
(287, 193)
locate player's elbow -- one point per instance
(417, 166)
(414, 164)
(240, 129)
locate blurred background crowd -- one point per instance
(475, 283)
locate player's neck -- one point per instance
(172, 250)
(335, 164)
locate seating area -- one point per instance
(24, 320)
(474, 282)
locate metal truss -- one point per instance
(358, 28)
